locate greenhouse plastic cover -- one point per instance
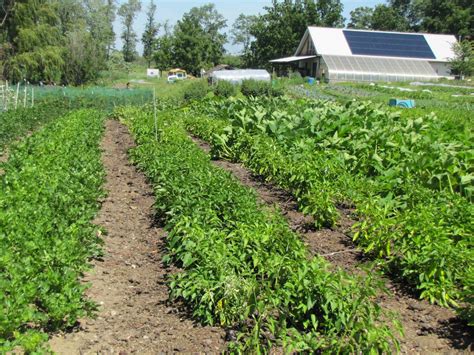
(236, 76)
(376, 68)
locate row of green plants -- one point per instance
(16, 123)
(409, 184)
(48, 197)
(248, 88)
(241, 265)
(55, 102)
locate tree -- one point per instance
(34, 42)
(128, 12)
(463, 62)
(6, 6)
(278, 31)
(361, 18)
(149, 35)
(386, 18)
(199, 42)
(241, 31)
(447, 16)
(163, 54)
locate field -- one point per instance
(288, 218)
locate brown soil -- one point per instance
(428, 328)
(3, 159)
(129, 283)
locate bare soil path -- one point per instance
(129, 282)
(429, 329)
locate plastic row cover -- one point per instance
(378, 69)
(236, 76)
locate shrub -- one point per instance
(225, 89)
(255, 88)
(260, 88)
(196, 90)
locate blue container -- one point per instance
(311, 80)
(402, 103)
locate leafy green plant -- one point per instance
(243, 267)
(409, 178)
(225, 89)
(196, 91)
(48, 194)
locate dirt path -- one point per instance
(428, 328)
(129, 282)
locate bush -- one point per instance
(260, 88)
(225, 89)
(196, 90)
(255, 88)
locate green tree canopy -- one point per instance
(361, 18)
(128, 12)
(386, 18)
(149, 35)
(278, 31)
(163, 54)
(198, 38)
(35, 41)
(463, 62)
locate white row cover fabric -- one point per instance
(236, 76)
(365, 68)
(292, 59)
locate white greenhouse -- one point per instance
(236, 76)
(338, 54)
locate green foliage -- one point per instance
(48, 195)
(164, 49)
(16, 123)
(149, 35)
(198, 39)
(196, 90)
(409, 178)
(128, 11)
(278, 31)
(432, 16)
(463, 62)
(57, 41)
(361, 18)
(257, 88)
(243, 267)
(225, 89)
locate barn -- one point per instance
(338, 54)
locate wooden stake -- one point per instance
(17, 93)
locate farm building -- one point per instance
(361, 55)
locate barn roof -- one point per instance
(350, 42)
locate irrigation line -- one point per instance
(340, 252)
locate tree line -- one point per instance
(72, 41)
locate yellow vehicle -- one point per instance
(176, 74)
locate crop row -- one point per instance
(242, 266)
(48, 197)
(57, 102)
(411, 192)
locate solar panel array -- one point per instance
(388, 44)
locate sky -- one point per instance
(230, 9)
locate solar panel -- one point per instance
(388, 44)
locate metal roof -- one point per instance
(332, 41)
(292, 59)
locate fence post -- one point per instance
(17, 93)
(154, 113)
